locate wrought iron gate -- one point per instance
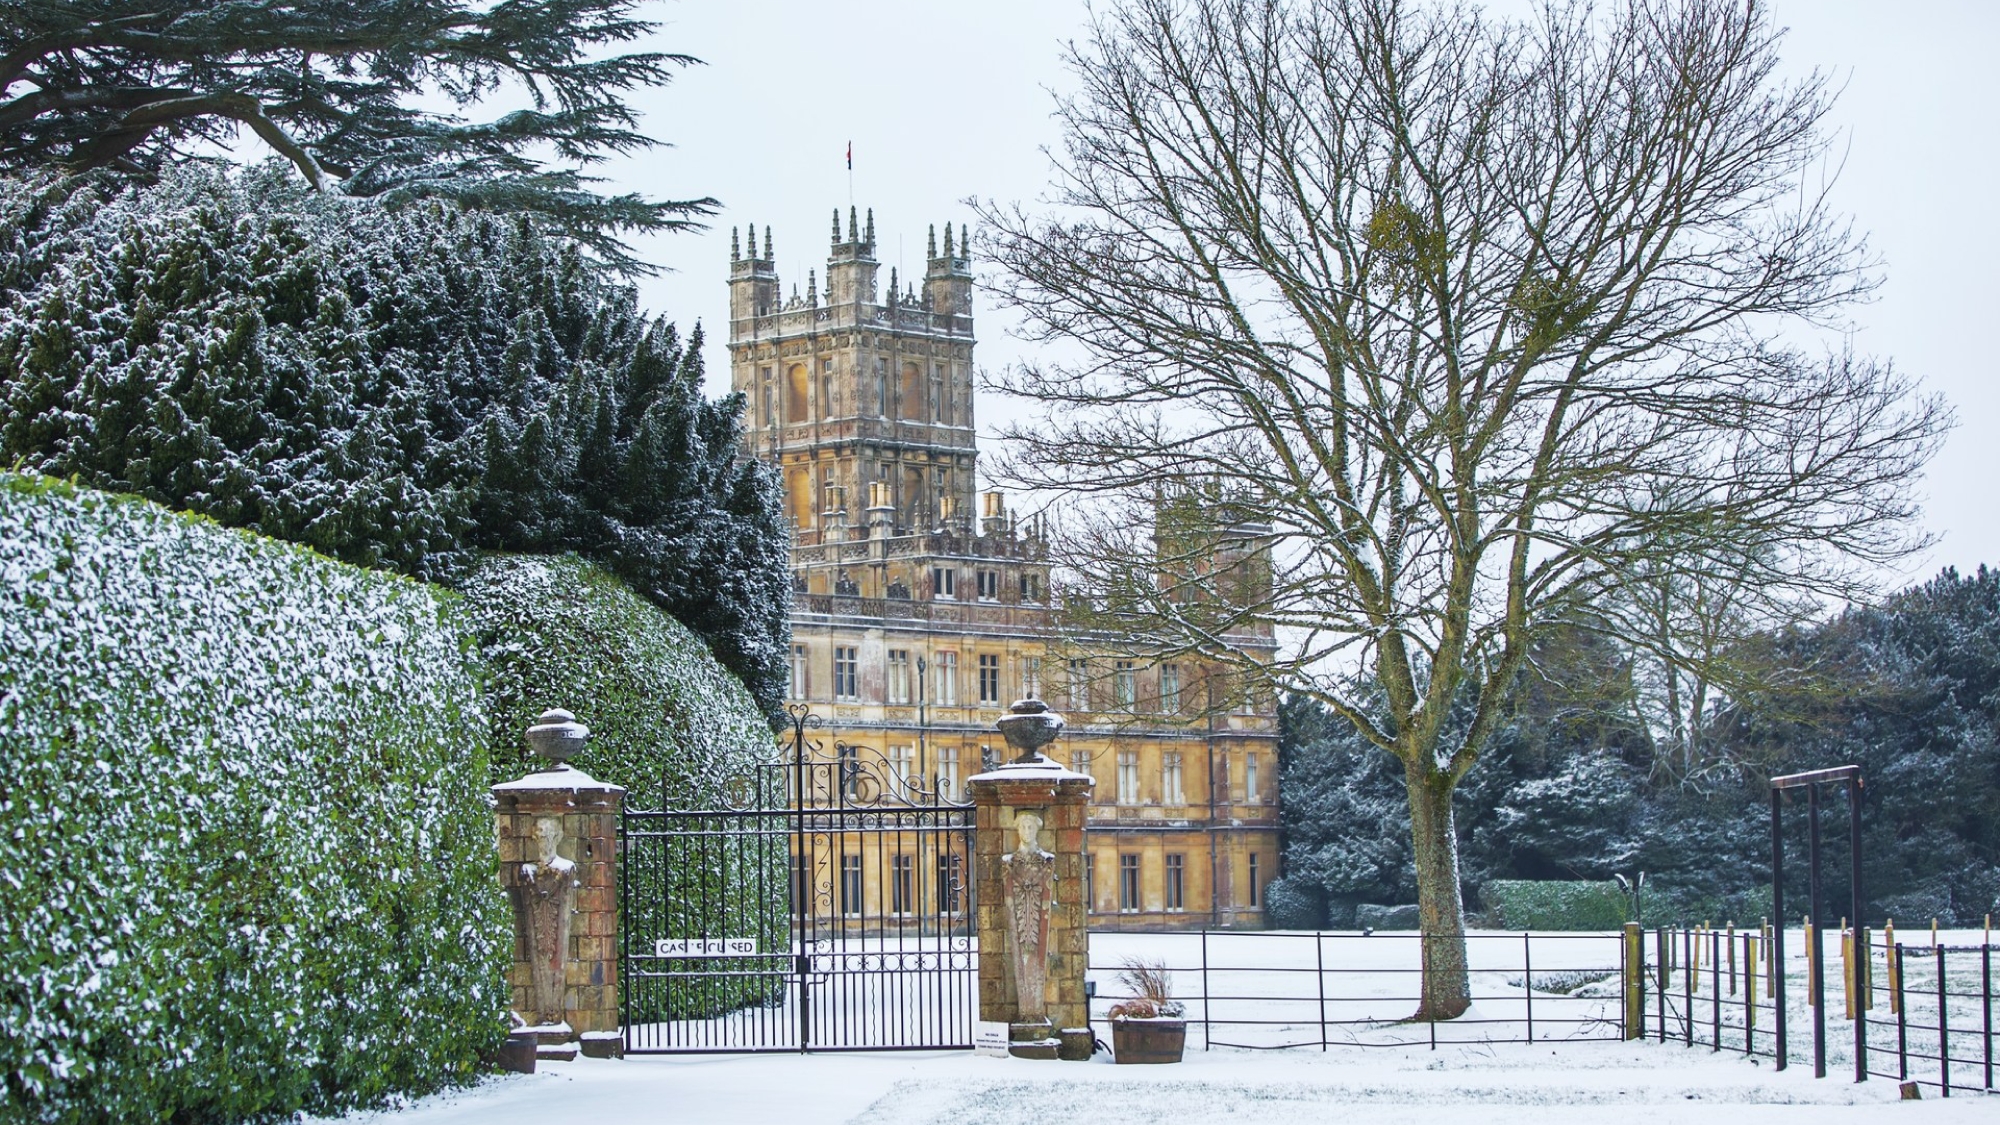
(826, 906)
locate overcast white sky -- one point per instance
(945, 99)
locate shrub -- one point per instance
(1294, 904)
(393, 388)
(246, 866)
(668, 722)
(1549, 904)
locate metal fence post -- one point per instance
(1319, 955)
(1687, 987)
(1528, 982)
(1986, 995)
(1902, 1020)
(1715, 987)
(1664, 946)
(1864, 995)
(1205, 1002)
(1777, 934)
(1944, 1030)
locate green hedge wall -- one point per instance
(667, 720)
(1532, 904)
(239, 870)
(1566, 904)
(670, 724)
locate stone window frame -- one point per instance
(902, 885)
(898, 686)
(847, 673)
(1128, 777)
(853, 886)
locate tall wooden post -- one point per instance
(1635, 981)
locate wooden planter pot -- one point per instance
(1148, 1041)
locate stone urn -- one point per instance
(1028, 726)
(556, 738)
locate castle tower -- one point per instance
(917, 617)
(863, 399)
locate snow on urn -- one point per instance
(1029, 727)
(557, 737)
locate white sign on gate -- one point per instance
(705, 947)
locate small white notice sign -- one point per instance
(705, 947)
(989, 1037)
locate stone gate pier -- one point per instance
(558, 834)
(1028, 876)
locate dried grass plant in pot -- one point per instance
(1147, 1027)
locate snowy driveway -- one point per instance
(1517, 1084)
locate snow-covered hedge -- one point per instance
(1555, 904)
(556, 631)
(394, 387)
(668, 722)
(246, 864)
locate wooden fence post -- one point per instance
(1635, 982)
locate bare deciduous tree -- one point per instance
(1477, 321)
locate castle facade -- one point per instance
(922, 604)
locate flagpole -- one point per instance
(850, 175)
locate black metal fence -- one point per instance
(1272, 990)
(1919, 1013)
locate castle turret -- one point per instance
(753, 279)
(948, 281)
(850, 389)
(851, 266)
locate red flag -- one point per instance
(850, 156)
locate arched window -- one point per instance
(799, 496)
(912, 405)
(797, 392)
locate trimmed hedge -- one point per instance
(246, 864)
(670, 724)
(397, 388)
(667, 720)
(1556, 904)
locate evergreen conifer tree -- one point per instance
(394, 388)
(334, 86)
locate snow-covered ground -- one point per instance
(1502, 1084)
(1375, 1066)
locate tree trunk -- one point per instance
(1447, 990)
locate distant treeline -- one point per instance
(1579, 787)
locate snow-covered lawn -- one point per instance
(1517, 1084)
(1371, 1069)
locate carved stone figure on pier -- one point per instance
(545, 896)
(1031, 878)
